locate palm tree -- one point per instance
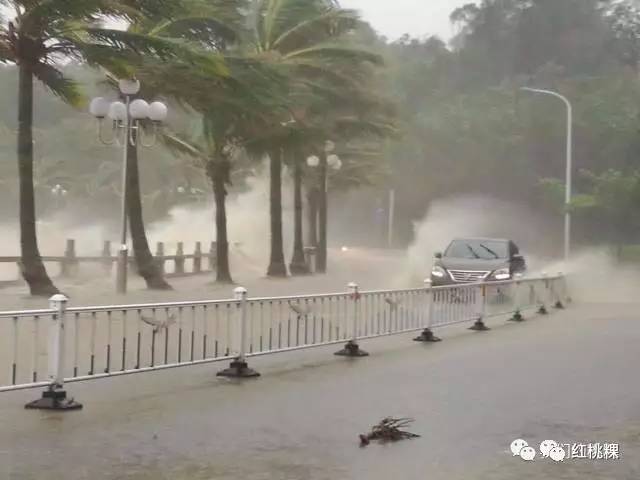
(307, 37)
(35, 38)
(216, 159)
(298, 265)
(32, 39)
(277, 266)
(208, 26)
(233, 110)
(312, 214)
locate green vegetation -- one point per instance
(250, 79)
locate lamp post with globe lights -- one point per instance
(59, 193)
(188, 194)
(327, 160)
(126, 130)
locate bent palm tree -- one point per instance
(233, 110)
(308, 38)
(206, 26)
(215, 159)
(36, 36)
(32, 39)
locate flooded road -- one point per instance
(570, 377)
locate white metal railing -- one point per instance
(61, 344)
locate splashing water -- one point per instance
(475, 216)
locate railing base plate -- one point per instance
(427, 336)
(479, 326)
(238, 369)
(54, 400)
(351, 349)
(517, 317)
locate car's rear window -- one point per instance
(478, 249)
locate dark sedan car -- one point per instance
(470, 260)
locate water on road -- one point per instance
(568, 377)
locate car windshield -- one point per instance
(477, 249)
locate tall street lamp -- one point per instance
(126, 130)
(567, 201)
(327, 160)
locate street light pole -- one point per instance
(392, 211)
(123, 250)
(327, 160)
(321, 266)
(126, 117)
(569, 167)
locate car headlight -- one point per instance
(502, 274)
(438, 272)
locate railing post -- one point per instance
(352, 349)
(310, 258)
(517, 314)
(212, 256)
(558, 296)
(197, 258)
(427, 334)
(160, 256)
(179, 261)
(480, 326)
(107, 261)
(55, 397)
(543, 297)
(239, 367)
(566, 294)
(70, 262)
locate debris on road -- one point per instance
(389, 430)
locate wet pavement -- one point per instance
(570, 376)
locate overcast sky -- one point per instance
(419, 18)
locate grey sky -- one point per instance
(419, 18)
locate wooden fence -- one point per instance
(70, 263)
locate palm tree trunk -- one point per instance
(147, 266)
(298, 264)
(321, 266)
(277, 267)
(31, 265)
(312, 216)
(218, 174)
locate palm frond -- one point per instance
(355, 127)
(156, 47)
(324, 71)
(334, 22)
(159, 9)
(273, 17)
(61, 86)
(204, 29)
(47, 12)
(183, 144)
(336, 52)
